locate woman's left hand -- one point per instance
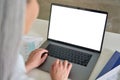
(35, 59)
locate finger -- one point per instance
(61, 64)
(39, 53)
(44, 58)
(43, 51)
(65, 63)
(69, 67)
(52, 68)
(57, 61)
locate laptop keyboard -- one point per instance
(73, 56)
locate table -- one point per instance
(111, 43)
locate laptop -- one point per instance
(75, 34)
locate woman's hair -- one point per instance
(11, 23)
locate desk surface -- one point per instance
(110, 44)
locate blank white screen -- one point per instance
(78, 27)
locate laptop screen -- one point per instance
(78, 27)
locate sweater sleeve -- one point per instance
(19, 72)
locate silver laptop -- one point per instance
(75, 34)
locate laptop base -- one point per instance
(78, 72)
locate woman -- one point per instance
(11, 63)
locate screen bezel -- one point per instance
(86, 9)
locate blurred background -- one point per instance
(111, 6)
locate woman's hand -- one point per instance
(35, 59)
(60, 70)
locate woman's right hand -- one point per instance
(60, 70)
